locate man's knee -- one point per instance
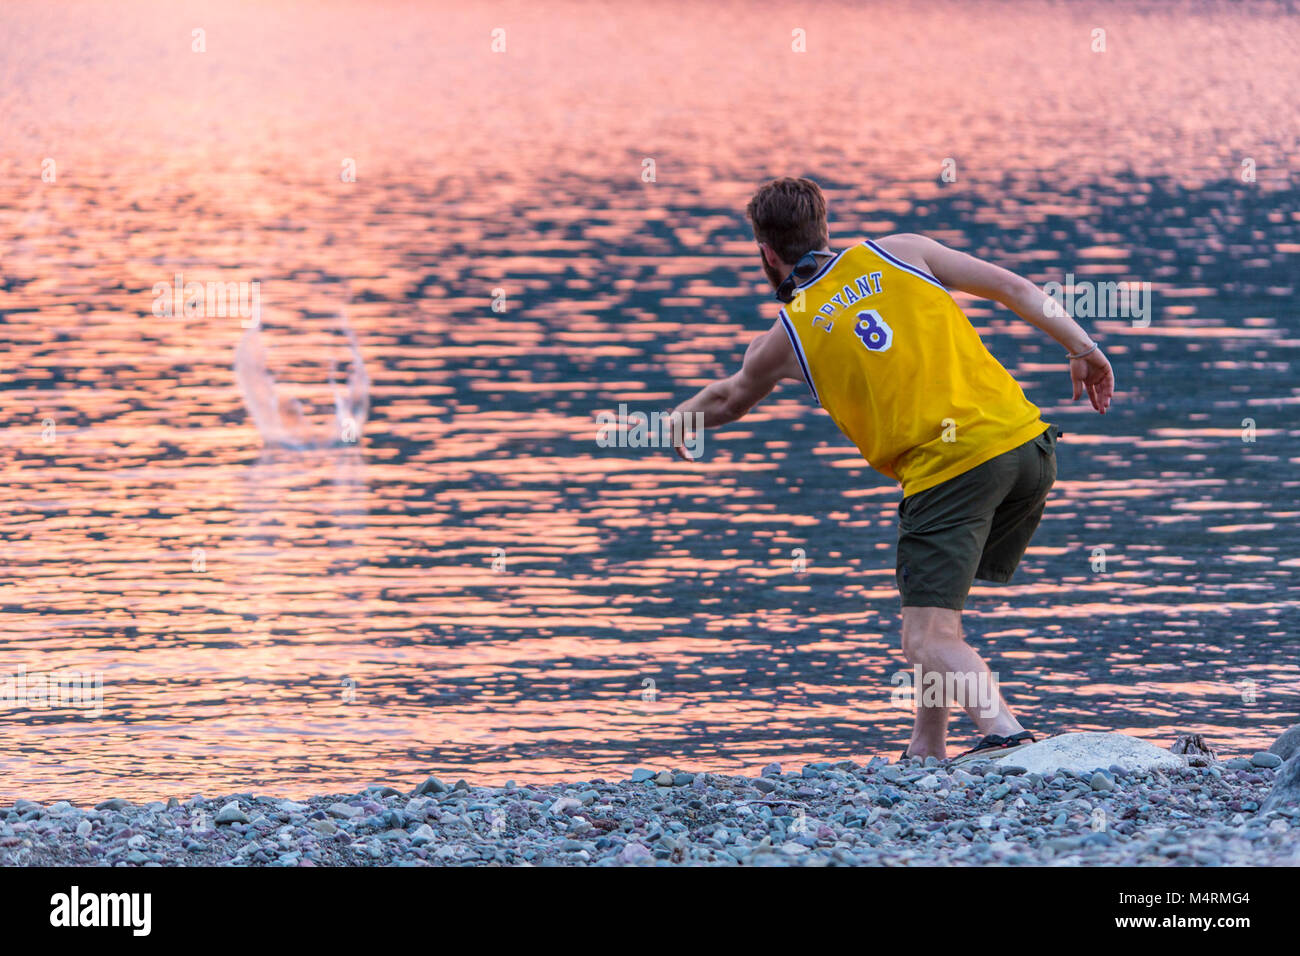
(924, 626)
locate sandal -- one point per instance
(994, 746)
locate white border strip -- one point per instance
(798, 354)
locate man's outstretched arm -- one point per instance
(957, 270)
(768, 360)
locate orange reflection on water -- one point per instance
(481, 590)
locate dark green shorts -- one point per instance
(976, 525)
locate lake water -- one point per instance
(475, 587)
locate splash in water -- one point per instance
(291, 406)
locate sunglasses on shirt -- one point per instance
(803, 270)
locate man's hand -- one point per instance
(1093, 373)
(676, 424)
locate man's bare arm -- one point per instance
(768, 360)
(957, 270)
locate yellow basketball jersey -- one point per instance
(901, 370)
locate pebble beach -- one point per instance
(907, 813)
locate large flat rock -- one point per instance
(1091, 751)
(1286, 786)
(1288, 745)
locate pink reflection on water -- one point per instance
(348, 623)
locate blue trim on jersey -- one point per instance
(903, 265)
(798, 354)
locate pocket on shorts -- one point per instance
(1046, 445)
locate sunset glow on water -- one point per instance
(476, 587)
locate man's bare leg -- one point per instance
(932, 638)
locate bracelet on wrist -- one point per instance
(1084, 353)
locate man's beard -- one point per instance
(773, 276)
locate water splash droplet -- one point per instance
(302, 390)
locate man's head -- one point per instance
(789, 220)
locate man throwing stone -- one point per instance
(887, 352)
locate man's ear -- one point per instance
(770, 256)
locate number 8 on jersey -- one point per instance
(874, 332)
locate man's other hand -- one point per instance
(1092, 373)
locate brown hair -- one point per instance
(790, 216)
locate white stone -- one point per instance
(231, 813)
(1091, 751)
(635, 853)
